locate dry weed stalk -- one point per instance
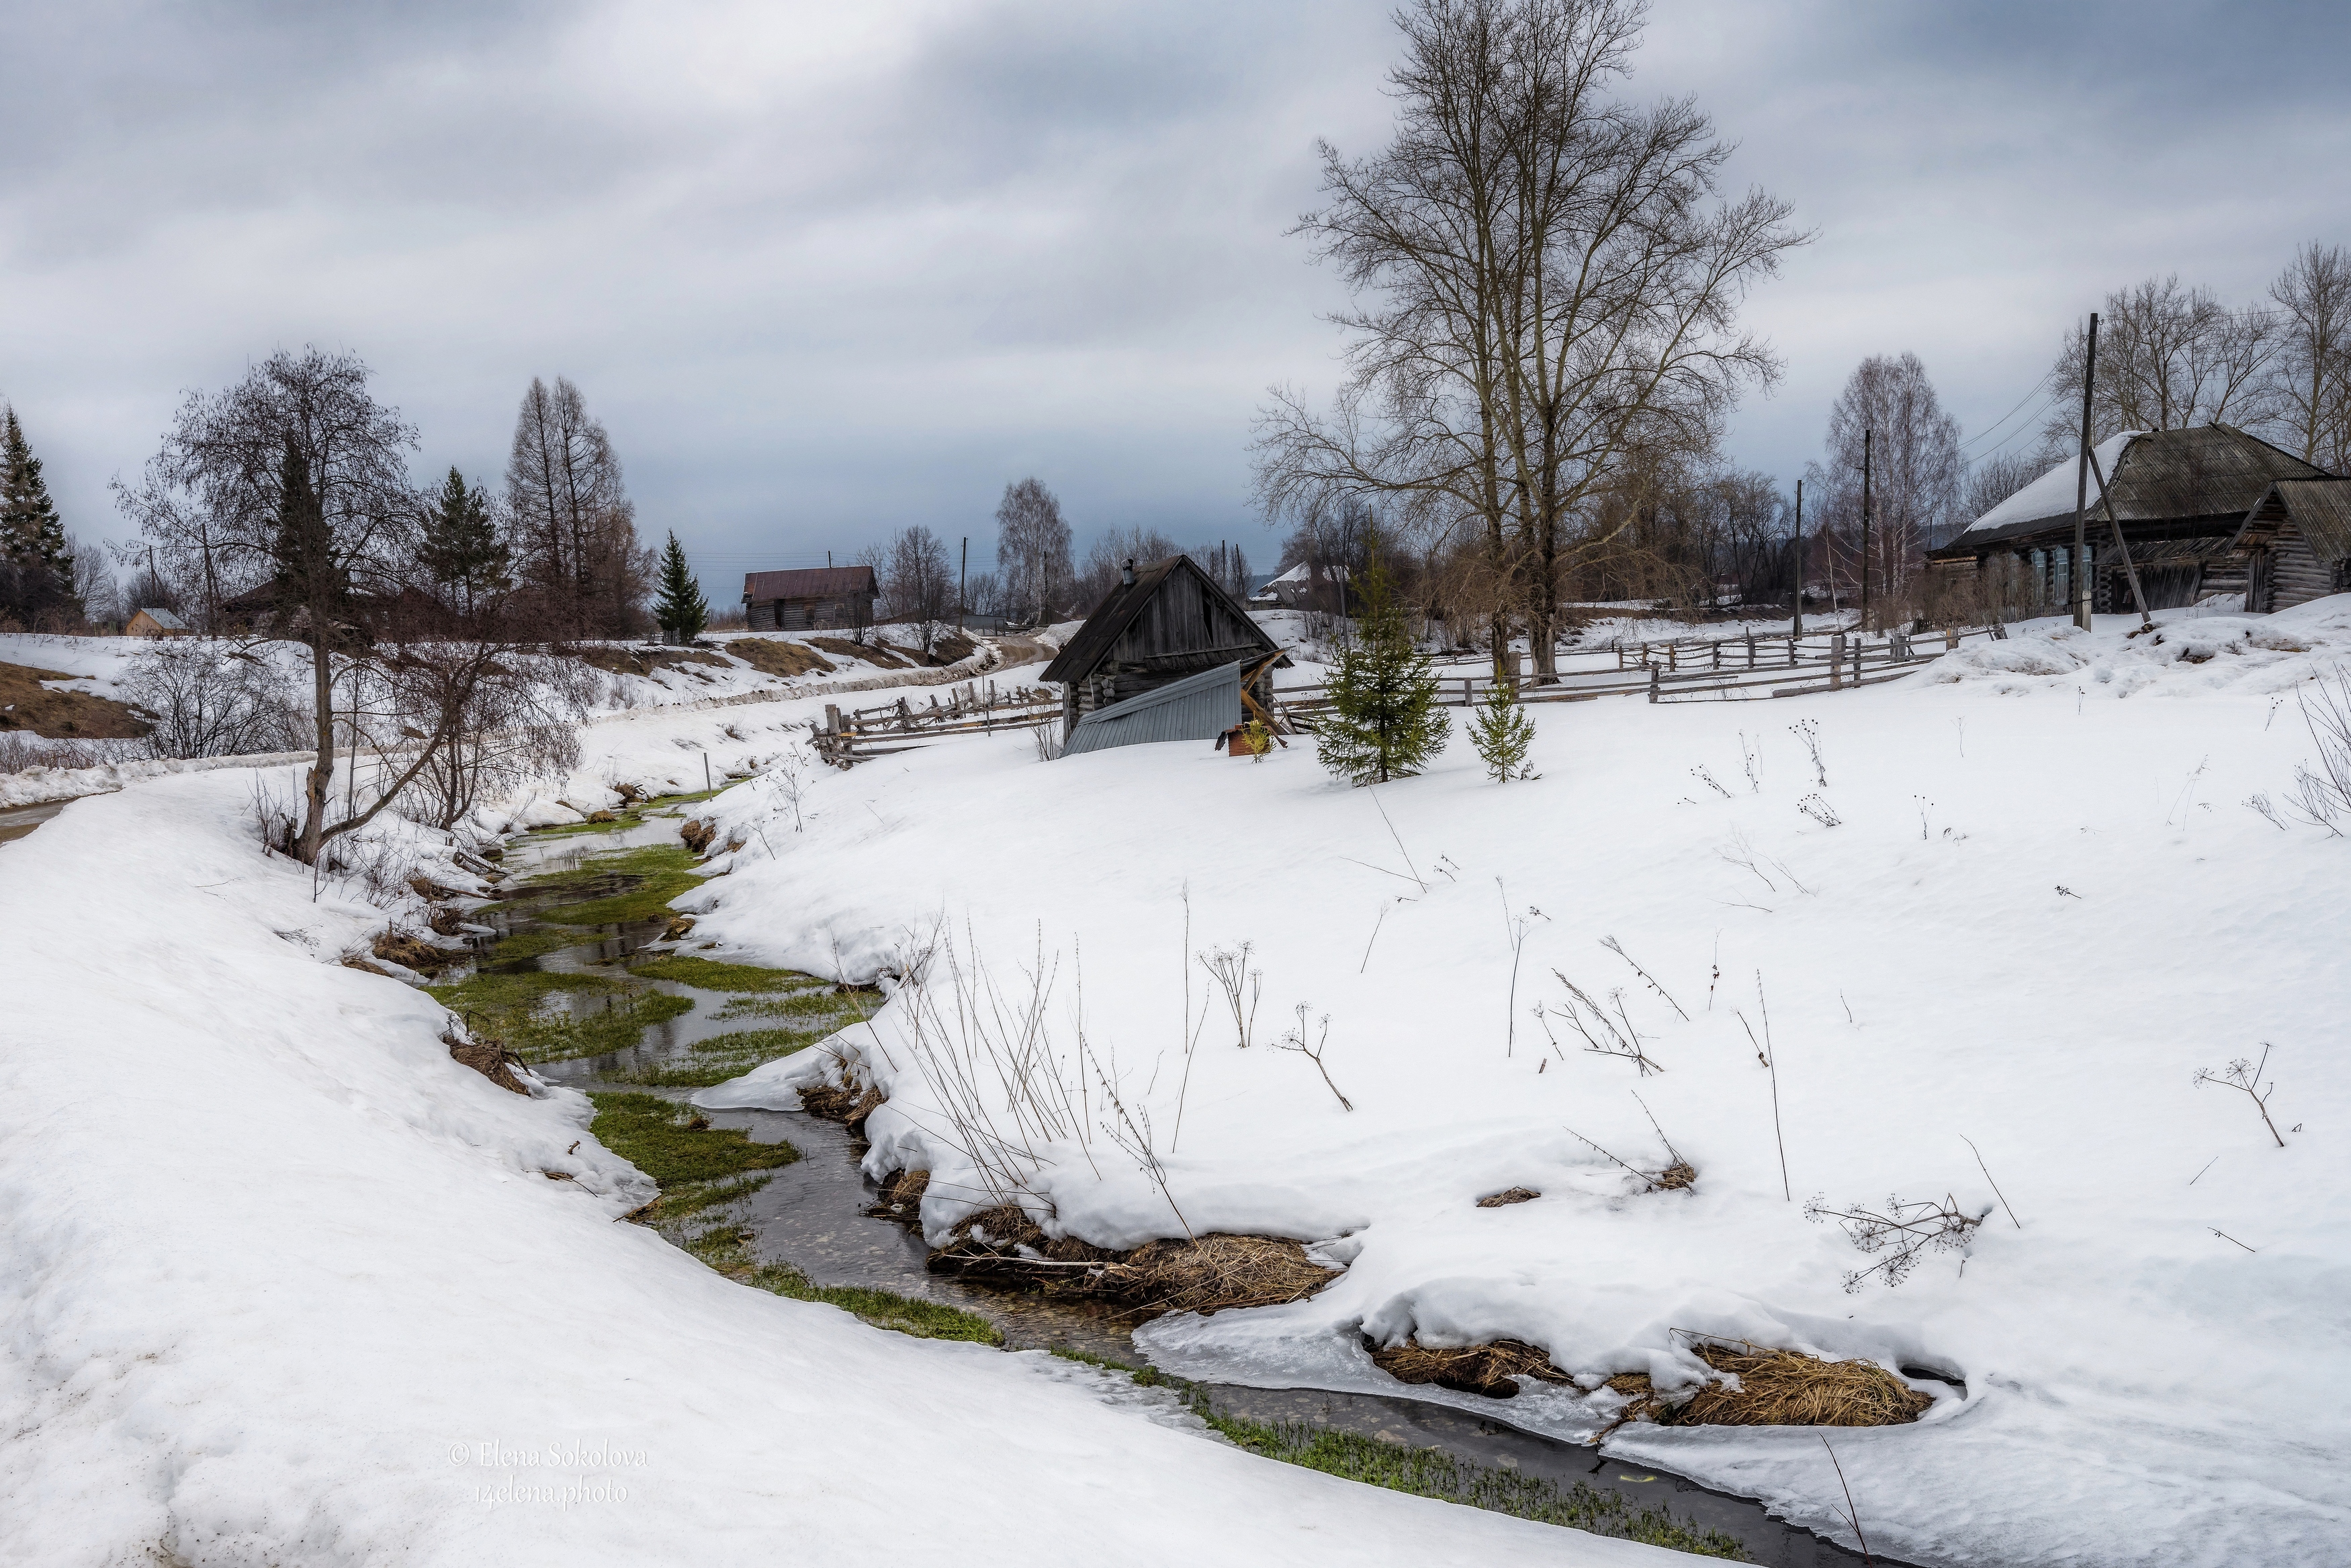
(1808, 730)
(2245, 1075)
(1705, 776)
(1518, 926)
(1296, 1041)
(1905, 1231)
(1614, 946)
(1230, 968)
(1769, 1056)
(1602, 1035)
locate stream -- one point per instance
(818, 1215)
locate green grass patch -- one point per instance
(721, 1057)
(801, 1004)
(644, 860)
(727, 1249)
(1433, 1472)
(710, 974)
(524, 945)
(659, 1138)
(648, 900)
(1148, 1376)
(513, 1007)
(622, 818)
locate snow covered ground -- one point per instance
(280, 1282)
(283, 1282)
(2041, 909)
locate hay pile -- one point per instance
(1492, 1370)
(1777, 1388)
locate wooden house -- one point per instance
(155, 623)
(809, 600)
(1160, 625)
(2181, 498)
(2296, 544)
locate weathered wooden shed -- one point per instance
(1200, 707)
(2179, 496)
(2296, 542)
(1161, 624)
(811, 599)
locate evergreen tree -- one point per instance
(461, 548)
(1384, 722)
(681, 609)
(1501, 732)
(30, 530)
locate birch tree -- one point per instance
(2311, 377)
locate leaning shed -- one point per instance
(2296, 544)
(2180, 498)
(1159, 625)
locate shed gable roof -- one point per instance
(1084, 653)
(2211, 471)
(808, 583)
(2321, 510)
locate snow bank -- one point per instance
(2190, 652)
(283, 1283)
(2035, 919)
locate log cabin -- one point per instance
(814, 599)
(2296, 544)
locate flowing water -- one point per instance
(16, 821)
(822, 1215)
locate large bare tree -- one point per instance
(572, 525)
(1547, 281)
(918, 586)
(1032, 550)
(2168, 358)
(2311, 377)
(1915, 471)
(296, 480)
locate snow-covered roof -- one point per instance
(2053, 491)
(1297, 574)
(165, 619)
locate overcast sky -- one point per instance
(825, 270)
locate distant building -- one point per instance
(2181, 498)
(809, 600)
(156, 623)
(1160, 624)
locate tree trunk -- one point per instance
(322, 767)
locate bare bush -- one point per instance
(2323, 794)
(206, 700)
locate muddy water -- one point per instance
(16, 821)
(822, 1216)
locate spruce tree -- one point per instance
(461, 548)
(30, 530)
(1501, 731)
(1384, 722)
(681, 609)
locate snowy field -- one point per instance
(283, 1284)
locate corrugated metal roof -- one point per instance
(2212, 471)
(1198, 707)
(808, 583)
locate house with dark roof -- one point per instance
(812, 599)
(2180, 498)
(1160, 625)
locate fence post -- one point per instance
(1467, 683)
(1750, 649)
(1836, 661)
(1791, 650)
(1653, 682)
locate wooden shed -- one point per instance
(155, 623)
(809, 600)
(2179, 496)
(1159, 625)
(2296, 542)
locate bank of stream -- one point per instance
(586, 973)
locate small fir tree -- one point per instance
(1384, 722)
(1501, 731)
(31, 532)
(461, 548)
(681, 610)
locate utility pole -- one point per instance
(1798, 630)
(962, 574)
(1867, 437)
(2080, 584)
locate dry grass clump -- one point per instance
(1177, 1275)
(851, 1102)
(697, 834)
(901, 1198)
(1509, 1196)
(1491, 1370)
(1676, 1176)
(412, 952)
(1778, 1389)
(775, 656)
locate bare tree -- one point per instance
(1914, 471)
(1108, 557)
(1547, 282)
(2168, 358)
(917, 584)
(1997, 475)
(571, 527)
(1032, 550)
(295, 478)
(2310, 375)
